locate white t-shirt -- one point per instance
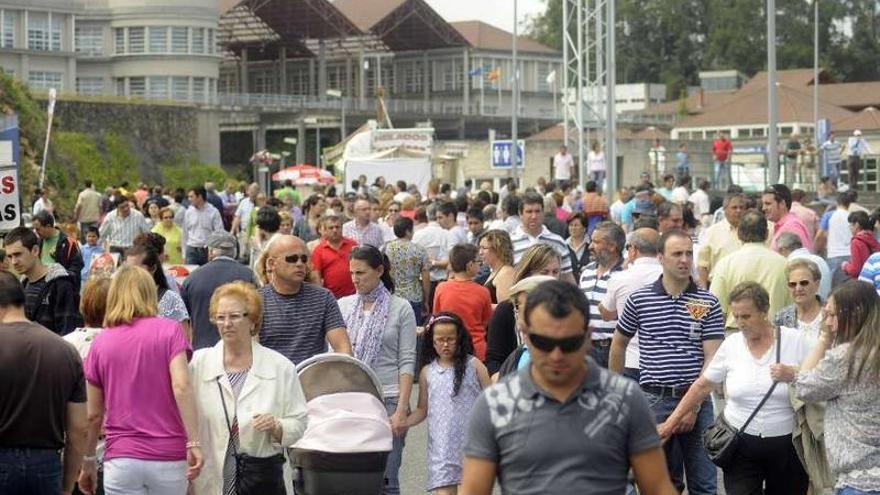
(680, 195)
(563, 165)
(747, 380)
(596, 161)
(701, 203)
(642, 271)
(839, 235)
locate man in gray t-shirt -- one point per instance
(562, 424)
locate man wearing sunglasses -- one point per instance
(680, 326)
(584, 426)
(299, 318)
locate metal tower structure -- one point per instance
(589, 60)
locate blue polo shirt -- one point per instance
(671, 331)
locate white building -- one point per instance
(161, 49)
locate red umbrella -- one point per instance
(304, 175)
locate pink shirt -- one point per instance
(808, 216)
(791, 223)
(129, 363)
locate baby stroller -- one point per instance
(346, 444)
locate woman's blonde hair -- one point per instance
(535, 258)
(245, 293)
(132, 295)
(498, 241)
(285, 215)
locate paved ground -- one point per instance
(412, 470)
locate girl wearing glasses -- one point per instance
(450, 381)
(806, 312)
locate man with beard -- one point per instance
(606, 247)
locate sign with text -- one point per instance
(409, 139)
(501, 154)
(10, 186)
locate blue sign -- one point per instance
(502, 153)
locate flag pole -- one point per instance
(52, 96)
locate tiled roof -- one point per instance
(488, 37)
(366, 13)
(867, 119)
(855, 96)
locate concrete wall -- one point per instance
(632, 159)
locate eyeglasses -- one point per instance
(445, 340)
(295, 258)
(566, 345)
(231, 318)
(802, 283)
(395, 210)
(167, 218)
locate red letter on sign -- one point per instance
(7, 184)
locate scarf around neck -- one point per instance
(365, 331)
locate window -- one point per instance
(120, 86)
(158, 39)
(263, 81)
(7, 37)
(212, 41)
(543, 72)
(199, 89)
(38, 32)
(119, 41)
(180, 88)
(135, 40)
(758, 132)
(89, 41)
(89, 86)
(56, 33)
(157, 87)
(137, 87)
(179, 40)
(44, 80)
(198, 40)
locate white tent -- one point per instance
(395, 154)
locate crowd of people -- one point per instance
(554, 339)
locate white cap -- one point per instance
(857, 132)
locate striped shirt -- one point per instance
(671, 331)
(871, 271)
(297, 325)
(371, 235)
(595, 288)
(120, 232)
(523, 241)
(833, 150)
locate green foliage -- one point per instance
(670, 41)
(192, 173)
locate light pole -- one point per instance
(514, 98)
(772, 141)
(816, 73)
(336, 93)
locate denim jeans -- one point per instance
(392, 468)
(722, 172)
(30, 472)
(831, 170)
(124, 476)
(417, 310)
(835, 265)
(600, 354)
(702, 476)
(196, 255)
(853, 491)
(598, 176)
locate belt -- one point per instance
(602, 343)
(676, 392)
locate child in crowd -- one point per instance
(89, 250)
(464, 297)
(450, 381)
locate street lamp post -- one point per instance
(514, 98)
(816, 73)
(772, 141)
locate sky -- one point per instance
(496, 12)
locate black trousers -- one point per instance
(766, 466)
(854, 164)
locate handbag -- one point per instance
(255, 475)
(720, 440)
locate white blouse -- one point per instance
(747, 379)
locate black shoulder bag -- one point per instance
(720, 440)
(255, 475)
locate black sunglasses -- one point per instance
(566, 345)
(802, 283)
(294, 258)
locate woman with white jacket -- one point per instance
(262, 408)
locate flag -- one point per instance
(551, 77)
(478, 71)
(494, 74)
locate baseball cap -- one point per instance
(221, 240)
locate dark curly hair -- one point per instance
(464, 347)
